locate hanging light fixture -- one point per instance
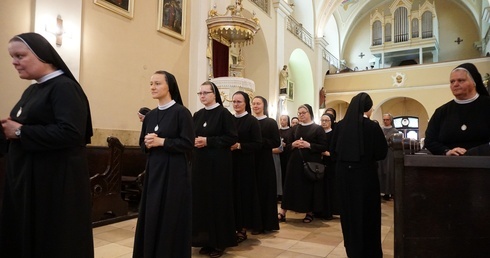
(232, 28)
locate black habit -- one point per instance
(285, 134)
(47, 202)
(445, 128)
(300, 193)
(213, 217)
(164, 220)
(358, 183)
(247, 206)
(330, 202)
(357, 144)
(266, 174)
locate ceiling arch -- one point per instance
(349, 10)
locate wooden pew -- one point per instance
(106, 184)
(116, 176)
(133, 173)
(115, 172)
(442, 205)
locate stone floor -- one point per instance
(294, 239)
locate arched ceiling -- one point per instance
(347, 11)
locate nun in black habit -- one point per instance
(357, 144)
(307, 143)
(47, 202)
(461, 125)
(167, 136)
(265, 170)
(247, 205)
(213, 217)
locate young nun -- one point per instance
(213, 216)
(167, 136)
(246, 196)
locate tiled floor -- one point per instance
(294, 239)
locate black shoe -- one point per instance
(387, 197)
(281, 217)
(206, 250)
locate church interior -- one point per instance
(398, 51)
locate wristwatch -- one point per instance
(17, 132)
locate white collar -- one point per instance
(215, 105)
(284, 128)
(328, 130)
(466, 101)
(261, 117)
(306, 124)
(387, 127)
(50, 76)
(241, 115)
(166, 106)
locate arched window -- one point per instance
(415, 28)
(377, 33)
(401, 25)
(427, 27)
(388, 32)
(408, 125)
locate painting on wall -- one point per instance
(171, 18)
(290, 91)
(121, 7)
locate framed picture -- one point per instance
(171, 18)
(290, 91)
(122, 7)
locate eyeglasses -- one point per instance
(302, 113)
(204, 93)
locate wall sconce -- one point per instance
(57, 30)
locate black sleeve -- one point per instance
(379, 142)
(320, 143)
(272, 139)
(184, 142)
(229, 134)
(432, 142)
(142, 135)
(3, 144)
(70, 116)
(255, 137)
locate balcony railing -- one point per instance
(297, 29)
(331, 59)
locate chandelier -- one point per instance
(232, 28)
